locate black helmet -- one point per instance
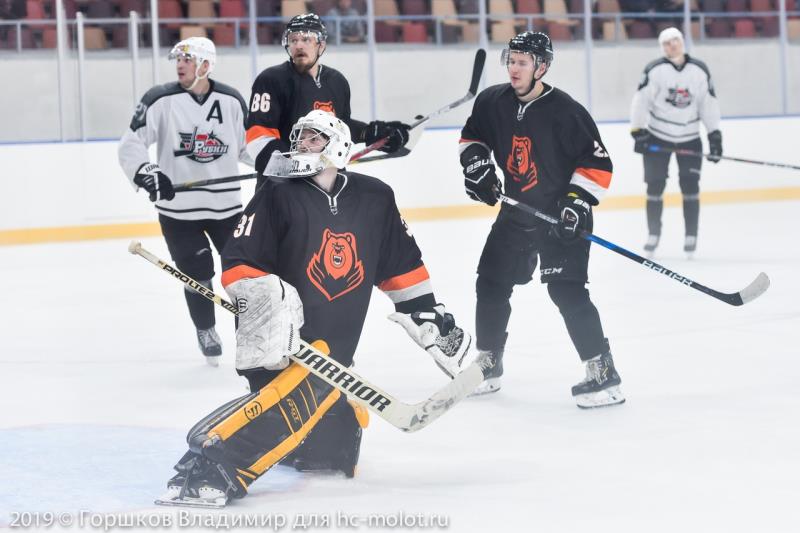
(307, 22)
(534, 43)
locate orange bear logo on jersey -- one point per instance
(336, 269)
(325, 106)
(520, 162)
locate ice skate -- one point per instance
(600, 388)
(491, 382)
(210, 345)
(651, 244)
(690, 245)
(199, 483)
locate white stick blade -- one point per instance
(758, 287)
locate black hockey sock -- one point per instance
(200, 309)
(691, 213)
(491, 315)
(580, 316)
(655, 207)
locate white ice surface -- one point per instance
(100, 378)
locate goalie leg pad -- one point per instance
(251, 434)
(335, 442)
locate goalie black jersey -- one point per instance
(280, 96)
(333, 248)
(544, 147)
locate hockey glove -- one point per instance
(575, 215)
(150, 178)
(480, 178)
(715, 146)
(641, 140)
(435, 331)
(270, 318)
(395, 132)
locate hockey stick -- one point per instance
(358, 157)
(692, 153)
(755, 289)
(406, 417)
(477, 70)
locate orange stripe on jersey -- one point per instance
(600, 177)
(464, 141)
(404, 281)
(254, 132)
(239, 272)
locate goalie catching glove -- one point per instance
(435, 331)
(270, 318)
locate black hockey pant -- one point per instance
(656, 167)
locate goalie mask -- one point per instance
(318, 141)
(201, 50)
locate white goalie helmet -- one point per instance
(318, 129)
(199, 48)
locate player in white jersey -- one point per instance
(198, 126)
(674, 96)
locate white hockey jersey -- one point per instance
(671, 101)
(197, 139)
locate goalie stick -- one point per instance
(358, 157)
(404, 416)
(755, 289)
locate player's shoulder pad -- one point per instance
(275, 75)
(150, 98)
(223, 88)
(369, 185)
(654, 63)
(700, 64)
(648, 68)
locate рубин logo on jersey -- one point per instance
(201, 147)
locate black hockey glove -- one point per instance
(714, 146)
(641, 140)
(150, 178)
(395, 131)
(575, 214)
(480, 177)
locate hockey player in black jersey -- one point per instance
(198, 125)
(303, 263)
(552, 158)
(284, 93)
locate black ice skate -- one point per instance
(210, 345)
(601, 385)
(690, 244)
(652, 243)
(201, 483)
(491, 382)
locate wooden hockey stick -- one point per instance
(404, 416)
(756, 288)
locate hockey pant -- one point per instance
(187, 241)
(509, 258)
(251, 434)
(656, 167)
